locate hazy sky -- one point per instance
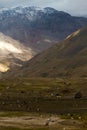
(74, 7)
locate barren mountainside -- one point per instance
(67, 59)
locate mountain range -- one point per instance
(38, 28)
(27, 31)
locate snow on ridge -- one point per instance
(32, 9)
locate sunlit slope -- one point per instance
(69, 59)
(11, 50)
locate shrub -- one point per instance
(78, 95)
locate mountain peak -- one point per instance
(30, 9)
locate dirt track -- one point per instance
(29, 121)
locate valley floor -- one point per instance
(43, 104)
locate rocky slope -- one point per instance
(67, 59)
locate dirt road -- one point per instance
(37, 120)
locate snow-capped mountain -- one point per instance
(30, 30)
(38, 28)
(12, 51)
(30, 12)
